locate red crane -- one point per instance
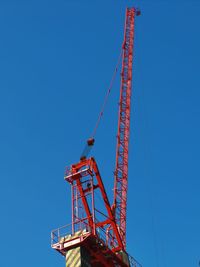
(97, 235)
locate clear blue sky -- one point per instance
(56, 61)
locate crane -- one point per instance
(97, 234)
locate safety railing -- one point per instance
(70, 231)
(106, 237)
(70, 173)
(60, 232)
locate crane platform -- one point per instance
(85, 249)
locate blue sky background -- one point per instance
(56, 61)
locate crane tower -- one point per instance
(97, 234)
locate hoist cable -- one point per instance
(90, 141)
(107, 95)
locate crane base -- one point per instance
(84, 249)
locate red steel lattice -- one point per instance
(121, 171)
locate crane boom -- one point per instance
(121, 169)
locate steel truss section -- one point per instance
(121, 169)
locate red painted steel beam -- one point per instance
(107, 205)
(85, 203)
(121, 169)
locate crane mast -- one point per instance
(121, 170)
